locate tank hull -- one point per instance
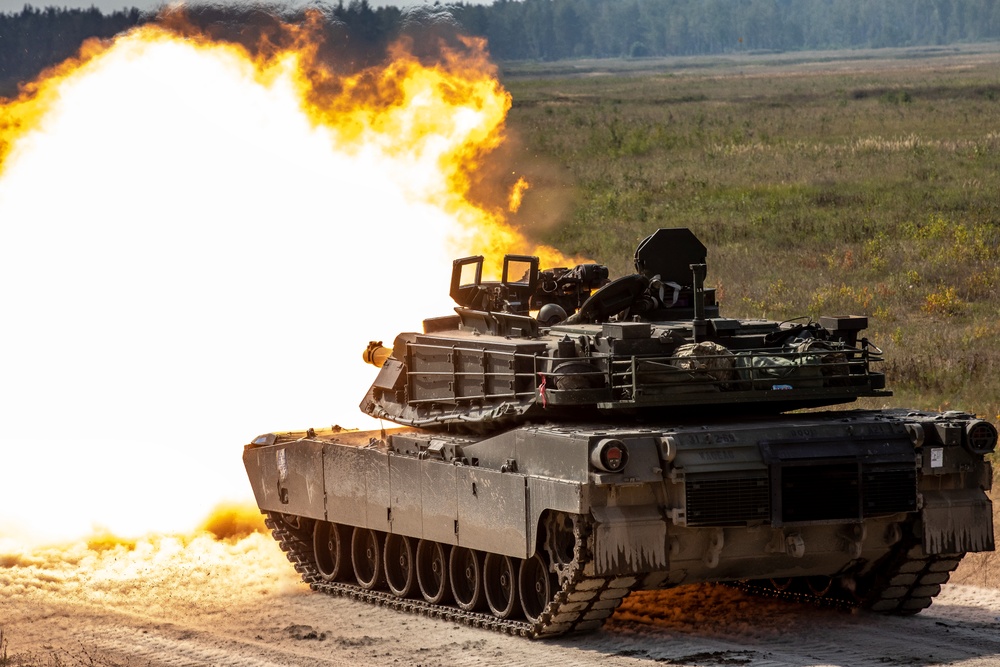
(869, 508)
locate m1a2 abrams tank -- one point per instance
(565, 440)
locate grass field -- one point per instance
(858, 183)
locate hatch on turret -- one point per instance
(669, 254)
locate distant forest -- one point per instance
(33, 38)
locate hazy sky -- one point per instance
(7, 6)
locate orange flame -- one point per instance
(26, 113)
(445, 118)
(212, 234)
(517, 194)
(232, 521)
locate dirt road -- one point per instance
(199, 601)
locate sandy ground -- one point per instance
(202, 601)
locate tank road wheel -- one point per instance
(534, 585)
(400, 570)
(432, 571)
(783, 584)
(500, 578)
(366, 557)
(819, 585)
(465, 571)
(330, 550)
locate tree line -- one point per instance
(33, 38)
(555, 29)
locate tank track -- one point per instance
(909, 582)
(764, 588)
(581, 604)
(904, 585)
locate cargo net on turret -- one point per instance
(709, 366)
(708, 372)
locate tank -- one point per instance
(563, 439)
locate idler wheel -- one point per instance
(534, 585)
(432, 571)
(330, 550)
(400, 570)
(500, 577)
(366, 557)
(465, 572)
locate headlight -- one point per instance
(980, 437)
(609, 455)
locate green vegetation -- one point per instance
(818, 190)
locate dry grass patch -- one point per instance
(829, 192)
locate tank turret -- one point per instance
(559, 343)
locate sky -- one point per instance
(106, 6)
